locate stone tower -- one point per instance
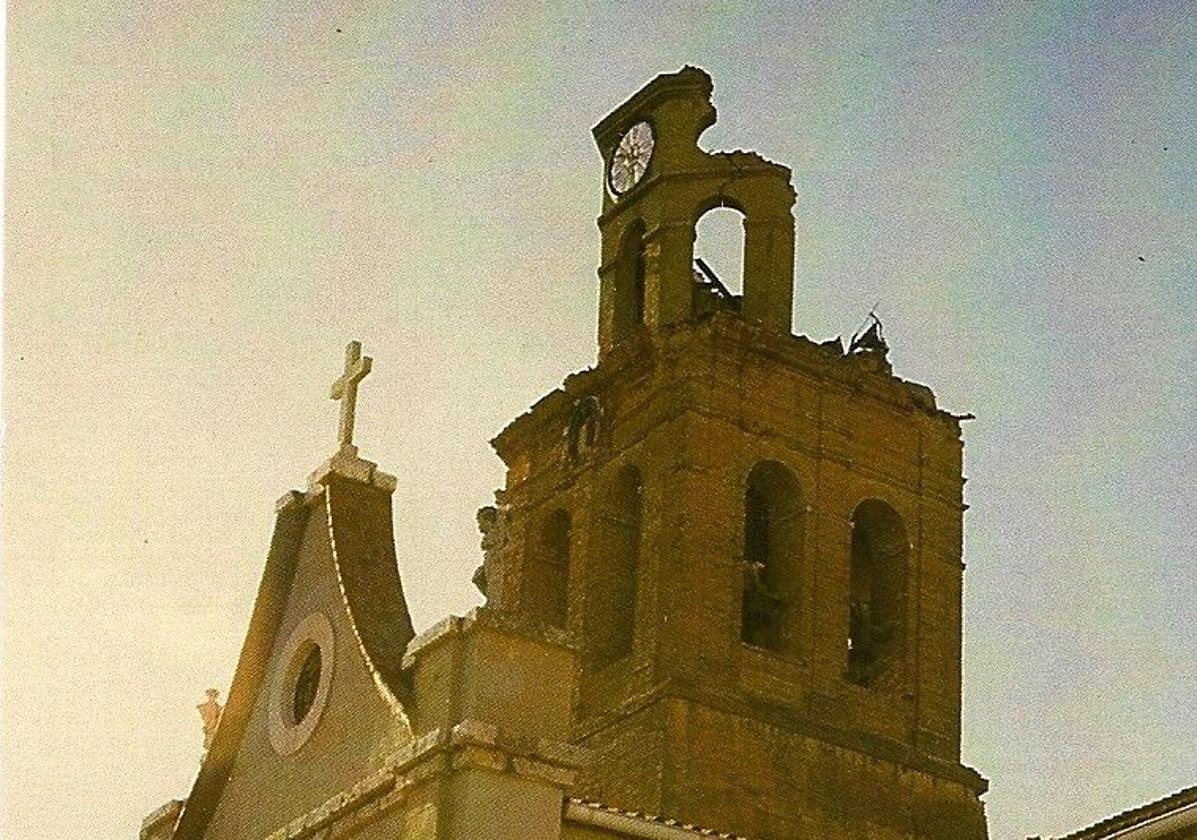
(755, 539)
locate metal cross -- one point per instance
(345, 389)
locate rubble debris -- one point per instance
(870, 339)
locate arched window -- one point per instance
(611, 585)
(546, 581)
(772, 559)
(581, 434)
(629, 283)
(877, 590)
(719, 260)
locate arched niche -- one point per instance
(546, 577)
(611, 585)
(880, 560)
(772, 559)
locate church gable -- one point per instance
(316, 703)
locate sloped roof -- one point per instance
(577, 810)
(1139, 816)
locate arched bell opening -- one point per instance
(772, 559)
(877, 591)
(629, 283)
(718, 264)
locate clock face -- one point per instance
(630, 161)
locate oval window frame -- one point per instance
(287, 735)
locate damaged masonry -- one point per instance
(723, 577)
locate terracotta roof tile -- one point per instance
(1136, 816)
(698, 831)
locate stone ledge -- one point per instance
(520, 625)
(542, 771)
(448, 626)
(469, 757)
(470, 745)
(788, 720)
(561, 753)
(721, 335)
(486, 617)
(473, 733)
(424, 745)
(346, 464)
(366, 790)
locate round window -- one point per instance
(306, 685)
(301, 683)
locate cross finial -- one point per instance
(345, 390)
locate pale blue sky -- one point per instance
(205, 202)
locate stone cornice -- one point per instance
(874, 747)
(470, 744)
(687, 81)
(720, 335)
(512, 623)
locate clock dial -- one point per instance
(631, 158)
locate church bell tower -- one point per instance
(754, 539)
(658, 184)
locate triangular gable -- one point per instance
(330, 582)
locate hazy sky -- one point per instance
(206, 200)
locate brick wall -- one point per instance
(694, 410)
